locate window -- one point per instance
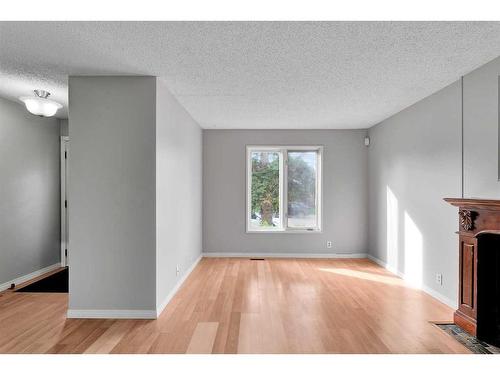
(284, 188)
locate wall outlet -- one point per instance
(177, 270)
(439, 278)
(329, 244)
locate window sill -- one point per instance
(283, 231)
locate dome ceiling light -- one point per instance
(40, 105)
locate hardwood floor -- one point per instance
(235, 305)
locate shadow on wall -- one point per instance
(412, 242)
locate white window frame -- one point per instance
(283, 168)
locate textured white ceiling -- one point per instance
(263, 75)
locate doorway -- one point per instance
(64, 201)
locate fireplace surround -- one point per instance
(479, 268)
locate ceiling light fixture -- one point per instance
(40, 105)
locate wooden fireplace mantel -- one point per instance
(478, 204)
(476, 217)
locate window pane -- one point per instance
(265, 190)
(302, 211)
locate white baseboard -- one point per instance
(177, 286)
(433, 293)
(153, 314)
(111, 314)
(28, 277)
(389, 268)
(284, 255)
(132, 314)
(453, 304)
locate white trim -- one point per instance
(386, 266)
(432, 292)
(132, 314)
(286, 255)
(111, 314)
(161, 307)
(64, 218)
(442, 298)
(28, 277)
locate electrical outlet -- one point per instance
(177, 270)
(329, 244)
(439, 278)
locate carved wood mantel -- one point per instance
(476, 217)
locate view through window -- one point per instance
(283, 188)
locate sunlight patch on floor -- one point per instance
(390, 280)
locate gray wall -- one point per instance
(417, 155)
(112, 193)
(344, 192)
(178, 191)
(29, 187)
(481, 132)
(64, 126)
